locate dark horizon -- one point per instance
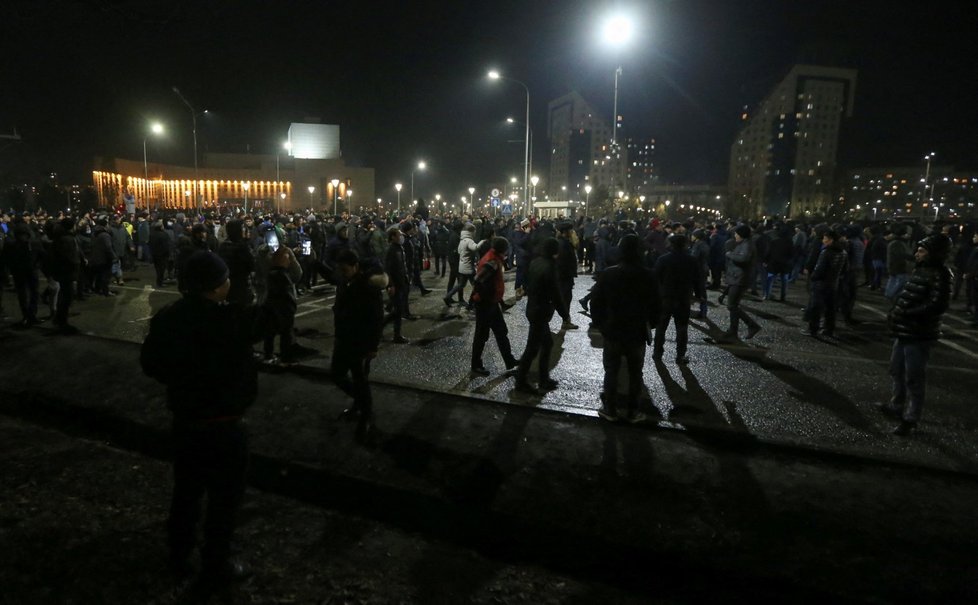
(408, 82)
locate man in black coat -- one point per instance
(824, 282)
(201, 350)
(915, 321)
(679, 278)
(624, 306)
(358, 316)
(398, 281)
(566, 263)
(240, 261)
(543, 300)
(159, 248)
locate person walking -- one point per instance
(915, 321)
(489, 291)
(543, 300)
(467, 248)
(740, 260)
(398, 284)
(625, 306)
(824, 282)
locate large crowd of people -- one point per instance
(241, 274)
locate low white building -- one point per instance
(556, 209)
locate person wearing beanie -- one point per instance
(487, 294)
(915, 321)
(625, 307)
(740, 259)
(201, 350)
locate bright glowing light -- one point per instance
(311, 189)
(494, 75)
(422, 165)
(534, 180)
(618, 30)
(587, 189)
(398, 186)
(157, 128)
(335, 182)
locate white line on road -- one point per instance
(952, 345)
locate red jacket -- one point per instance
(497, 265)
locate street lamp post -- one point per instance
(421, 166)
(533, 181)
(311, 191)
(246, 187)
(335, 183)
(617, 31)
(928, 158)
(156, 128)
(471, 197)
(587, 198)
(282, 203)
(495, 75)
(193, 115)
(398, 187)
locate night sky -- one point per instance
(406, 80)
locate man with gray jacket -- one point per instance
(467, 250)
(740, 259)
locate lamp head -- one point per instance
(494, 75)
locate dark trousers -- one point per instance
(441, 264)
(463, 279)
(847, 294)
(908, 367)
(159, 263)
(566, 293)
(634, 355)
(65, 293)
(734, 296)
(822, 301)
(489, 317)
(452, 273)
(209, 460)
(398, 307)
(281, 327)
(539, 342)
(27, 295)
(350, 371)
(102, 274)
(678, 312)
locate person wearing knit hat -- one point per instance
(740, 258)
(201, 350)
(915, 321)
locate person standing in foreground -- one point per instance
(679, 278)
(915, 321)
(624, 307)
(201, 349)
(358, 319)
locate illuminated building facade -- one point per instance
(262, 182)
(783, 161)
(581, 150)
(640, 174)
(898, 191)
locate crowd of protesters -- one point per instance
(241, 274)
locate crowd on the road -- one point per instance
(241, 276)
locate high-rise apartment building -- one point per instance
(783, 161)
(640, 173)
(581, 152)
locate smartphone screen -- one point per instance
(271, 238)
(306, 248)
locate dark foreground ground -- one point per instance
(457, 502)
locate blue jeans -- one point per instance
(908, 365)
(769, 284)
(894, 285)
(879, 268)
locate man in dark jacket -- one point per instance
(358, 316)
(915, 321)
(679, 279)
(824, 281)
(65, 269)
(21, 256)
(201, 350)
(543, 300)
(240, 260)
(624, 307)
(398, 284)
(159, 248)
(740, 263)
(566, 264)
(102, 257)
(488, 294)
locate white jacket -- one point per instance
(466, 249)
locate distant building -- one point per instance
(314, 141)
(640, 173)
(783, 161)
(706, 202)
(898, 191)
(581, 150)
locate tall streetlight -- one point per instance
(495, 75)
(533, 181)
(471, 198)
(282, 203)
(155, 128)
(246, 187)
(349, 201)
(421, 166)
(617, 31)
(193, 115)
(927, 158)
(587, 198)
(311, 191)
(529, 155)
(335, 183)
(398, 187)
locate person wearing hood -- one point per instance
(915, 321)
(467, 248)
(237, 254)
(487, 295)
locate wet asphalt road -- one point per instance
(781, 387)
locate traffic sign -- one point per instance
(495, 193)
(494, 201)
(507, 209)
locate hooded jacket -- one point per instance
(466, 248)
(916, 315)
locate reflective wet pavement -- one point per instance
(781, 387)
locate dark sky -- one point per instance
(406, 80)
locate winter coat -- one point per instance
(358, 313)
(490, 267)
(466, 249)
(159, 244)
(102, 252)
(779, 254)
(395, 267)
(625, 303)
(241, 263)
(739, 261)
(898, 257)
(679, 278)
(542, 290)
(916, 315)
(829, 268)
